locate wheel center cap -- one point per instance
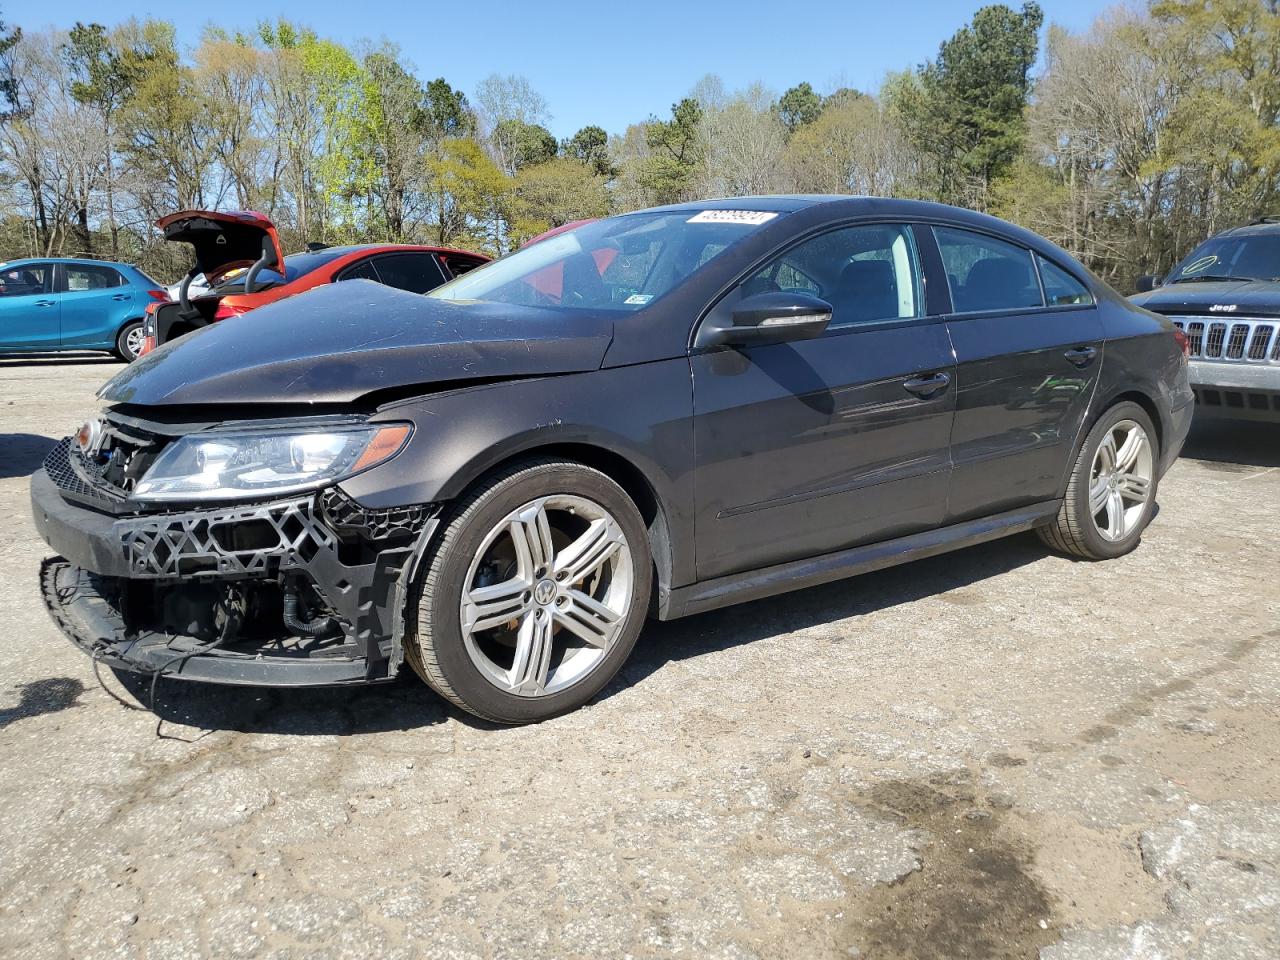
(544, 592)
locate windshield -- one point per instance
(295, 266)
(1250, 257)
(622, 263)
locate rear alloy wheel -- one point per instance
(535, 595)
(129, 341)
(1111, 494)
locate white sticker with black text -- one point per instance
(748, 218)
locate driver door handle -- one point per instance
(45, 303)
(926, 387)
(1081, 356)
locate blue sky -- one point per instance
(599, 62)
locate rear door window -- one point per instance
(81, 277)
(987, 274)
(415, 272)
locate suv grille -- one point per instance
(1236, 340)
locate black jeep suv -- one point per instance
(1226, 297)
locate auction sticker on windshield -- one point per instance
(750, 218)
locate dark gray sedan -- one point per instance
(651, 415)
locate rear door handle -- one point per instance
(122, 296)
(927, 386)
(45, 303)
(1081, 356)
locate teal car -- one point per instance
(62, 304)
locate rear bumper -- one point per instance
(1179, 427)
(137, 592)
(1246, 391)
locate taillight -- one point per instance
(226, 310)
(160, 295)
(1183, 342)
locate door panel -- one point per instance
(810, 447)
(1025, 376)
(95, 305)
(29, 312)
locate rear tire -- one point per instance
(1112, 491)
(129, 341)
(534, 594)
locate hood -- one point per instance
(341, 341)
(1225, 298)
(224, 241)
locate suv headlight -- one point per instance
(236, 465)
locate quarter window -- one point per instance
(1061, 289)
(987, 274)
(866, 273)
(361, 271)
(81, 277)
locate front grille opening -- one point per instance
(1258, 401)
(1217, 335)
(1212, 398)
(1235, 400)
(1195, 333)
(1235, 345)
(1258, 345)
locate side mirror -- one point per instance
(771, 318)
(1147, 282)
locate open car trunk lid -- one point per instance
(224, 242)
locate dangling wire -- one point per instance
(233, 616)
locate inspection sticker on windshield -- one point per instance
(636, 299)
(748, 218)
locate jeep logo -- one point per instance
(1223, 308)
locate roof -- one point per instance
(350, 248)
(1251, 229)
(88, 261)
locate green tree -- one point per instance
(105, 76)
(447, 112)
(590, 145)
(798, 106)
(469, 194)
(555, 193)
(676, 152)
(965, 110)
(523, 144)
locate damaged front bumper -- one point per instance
(308, 590)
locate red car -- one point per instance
(244, 267)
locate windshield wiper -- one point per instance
(1210, 277)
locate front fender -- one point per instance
(641, 414)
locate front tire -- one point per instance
(1112, 491)
(534, 595)
(129, 341)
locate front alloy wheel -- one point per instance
(534, 594)
(548, 591)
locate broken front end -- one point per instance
(228, 553)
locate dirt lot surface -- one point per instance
(999, 753)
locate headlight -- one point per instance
(233, 466)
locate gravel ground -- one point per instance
(999, 753)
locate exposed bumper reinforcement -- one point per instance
(119, 585)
